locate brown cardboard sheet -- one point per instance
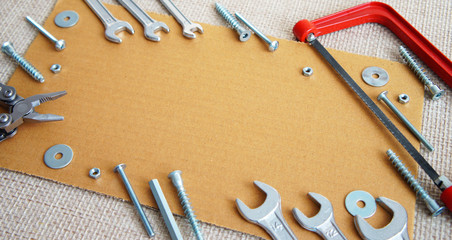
(222, 111)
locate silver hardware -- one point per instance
(385, 99)
(272, 46)
(375, 76)
(176, 178)
(4, 118)
(94, 173)
(66, 19)
(351, 203)
(244, 34)
(55, 68)
(188, 27)
(307, 71)
(59, 44)
(111, 24)
(50, 156)
(9, 50)
(432, 206)
(434, 90)
(404, 98)
(165, 210)
(150, 25)
(120, 169)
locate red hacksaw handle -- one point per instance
(377, 12)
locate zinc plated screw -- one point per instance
(272, 46)
(120, 169)
(184, 200)
(244, 34)
(434, 208)
(399, 114)
(9, 50)
(434, 90)
(59, 44)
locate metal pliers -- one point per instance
(23, 110)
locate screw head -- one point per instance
(8, 48)
(119, 167)
(176, 178)
(4, 118)
(244, 35)
(8, 93)
(436, 92)
(273, 46)
(382, 95)
(60, 45)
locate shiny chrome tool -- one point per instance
(8, 49)
(150, 25)
(269, 215)
(323, 222)
(188, 27)
(23, 110)
(112, 25)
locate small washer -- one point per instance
(66, 19)
(375, 76)
(354, 197)
(66, 156)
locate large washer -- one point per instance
(351, 203)
(66, 156)
(375, 76)
(66, 19)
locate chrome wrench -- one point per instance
(269, 215)
(188, 27)
(112, 25)
(323, 223)
(150, 25)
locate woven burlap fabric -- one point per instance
(35, 208)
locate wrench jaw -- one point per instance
(188, 31)
(112, 30)
(396, 229)
(150, 30)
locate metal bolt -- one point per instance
(272, 46)
(434, 208)
(244, 34)
(4, 118)
(9, 50)
(399, 114)
(184, 200)
(59, 44)
(434, 90)
(120, 169)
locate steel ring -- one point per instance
(375, 76)
(66, 19)
(351, 203)
(66, 156)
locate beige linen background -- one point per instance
(34, 208)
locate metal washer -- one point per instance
(379, 81)
(66, 19)
(354, 197)
(66, 158)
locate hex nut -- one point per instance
(307, 71)
(55, 68)
(94, 173)
(404, 98)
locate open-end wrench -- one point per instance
(395, 230)
(150, 25)
(188, 27)
(323, 223)
(112, 25)
(269, 215)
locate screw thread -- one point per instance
(227, 16)
(414, 66)
(185, 202)
(30, 69)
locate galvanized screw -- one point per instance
(272, 46)
(9, 50)
(59, 44)
(244, 34)
(410, 126)
(434, 90)
(434, 208)
(120, 169)
(184, 200)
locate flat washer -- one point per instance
(66, 19)
(354, 197)
(375, 76)
(66, 156)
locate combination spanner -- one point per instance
(150, 25)
(269, 215)
(188, 27)
(112, 25)
(323, 222)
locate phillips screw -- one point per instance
(184, 200)
(272, 46)
(120, 169)
(434, 90)
(9, 50)
(244, 34)
(434, 208)
(384, 98)
(59, 44)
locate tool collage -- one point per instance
(22, 110)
